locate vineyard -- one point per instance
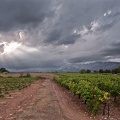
(93, 89)
(14, 83)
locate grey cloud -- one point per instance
(86, 58)
(116, 44)
(49, 27)
(110, 20)
(74, 15)
(70, 39)
(56, 38)
(107, 53)
(53, 36)
(40, 64)
(31, 62)
(23, 13)
(113, 50)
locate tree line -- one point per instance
(114, 71)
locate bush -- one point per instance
(3, 70)
(82, 71)
(28, 75)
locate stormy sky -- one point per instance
(46, 35)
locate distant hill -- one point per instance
(90, 66)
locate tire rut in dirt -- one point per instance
(44, 105)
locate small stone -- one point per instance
(20, 110)
(18, 106)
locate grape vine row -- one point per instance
(93, 89)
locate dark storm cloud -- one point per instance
(117, 44)
(23, 13)
(70, 39)
(114, 50)
(74, 15)
(53, 36)
(56, 38)
(53, 33)
(85, 59)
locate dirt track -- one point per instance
(43, 100)
(43, 106)
(50, 103)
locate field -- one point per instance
(38, 96)
(93, 89)
(9, 83)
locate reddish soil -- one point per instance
(46, 100)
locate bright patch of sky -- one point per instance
(10, 47)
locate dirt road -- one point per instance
(43, 100)
(44, 105)
(50, 104)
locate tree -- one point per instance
(95, 71)
(88, 71)
(101, 71)
(107, 71)
(28, 75)
(116, 70)
(82, 71)
(3, 70)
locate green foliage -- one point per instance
(88, 71)
(85, 71)
(15, 83)
(101, 71)
(116, 70)
(3, 70)
(94, 89)
(82, 71)
(107, 71)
